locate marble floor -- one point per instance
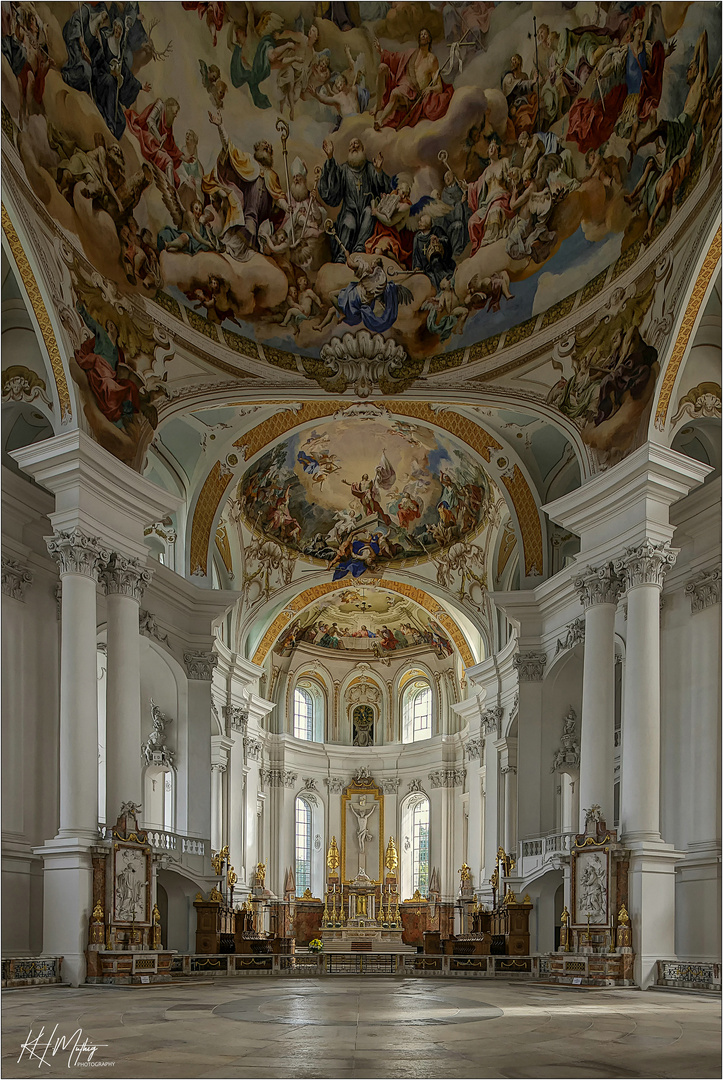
(359, 1027)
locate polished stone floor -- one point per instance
(359, 1027)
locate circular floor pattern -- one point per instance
(375, 1002)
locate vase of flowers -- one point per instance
(316, 945)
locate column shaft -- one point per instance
(640, 784)
(510, 844)
(598, 711)
(216, 808)
(78, 709)
(123, 706)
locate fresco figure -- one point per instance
(352, 186)
(410, 87)
(268, 54)
(100, 357)
(154, 130)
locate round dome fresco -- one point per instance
(432, 173)
(359, 494)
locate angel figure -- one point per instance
(372, 298)
(213, 84)
(446, 316)
(190, 231)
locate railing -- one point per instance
(688, 976)
(31, 970)
(330, 964)
(187, 849)
(536, 852)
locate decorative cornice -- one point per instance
(530, 667)
(15, 579)
(646, 564)
(598, 585)
(704, 590)
(278, 777)
(447, 778)
(491, 720)
(237, 717)
(200, 665)
(335, 784)
(125, 576)
(77, 553)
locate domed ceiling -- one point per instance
(364, 195)
(364, 495)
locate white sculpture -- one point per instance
(362, 814)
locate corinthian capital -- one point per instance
(76, 553)
(530, 666)
(598, 585)
(15, 578)
(124, 576)
(646, 564)
(704, 590)
(200, 665)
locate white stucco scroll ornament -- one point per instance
(362, 360)
(15, 579)
(530, 666)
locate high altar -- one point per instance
(361, 903)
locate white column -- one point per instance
(125, 580)
(651, 879)
(510, 780)
(199, 667)
(80, 559)
(599, 591)
(644, 568)
(217, 771)
(530, 667)
(705, 651)
(67, 864)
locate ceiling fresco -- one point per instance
(362, 496)
(430, 174)
(367, 623)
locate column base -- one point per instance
(67, 902)
(651, 904)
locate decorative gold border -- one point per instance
(412, 592)
(686, 329)
(41, 314)
(204, 516)
(350, 790)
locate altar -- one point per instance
(361, 902)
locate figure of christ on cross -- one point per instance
(362, 812)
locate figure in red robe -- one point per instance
(410, 87)
(154, 130)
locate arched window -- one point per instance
(415, 844)
(303, 818)
(417, 712)
(303, 714)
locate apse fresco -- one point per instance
(369, 621)
(360, 496)
(430, 172)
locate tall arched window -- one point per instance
(303, 714)
(417, 712)
(303, 818)
(415, 844)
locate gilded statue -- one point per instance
(507, 862)
(97, 915)
(218, 860)
(156, 915)
(624, 934)
(509, 897)
(565, 930)
(231, 877)
(391, 858)
(495, 879)
(261, 874)
(332, 858)
(465, 874)
(215, 896)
